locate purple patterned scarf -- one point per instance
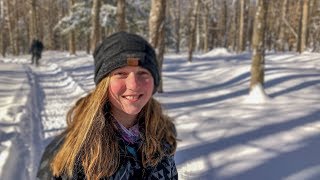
(131, 135)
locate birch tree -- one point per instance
(157, 32)
(95, 23)
(50, 21)
(280, 42)
(192, 29)
(206, 26)
(156, 20)
(304, 26)
(250, 24)
(2, 29)
(177, 13)
(12, 27)
(121, 15)
(257, 66)
(314, 25)
(72, 33)
(224, 23)
(33, 20)
(241, 27)
(233, 34)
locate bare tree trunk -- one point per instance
(250, 26)
(62, 42)
(17, 36)
(282, 26)
(51, 24)
(298, 38)
(156, 20)
(11, 28)
(157, 31)
(72, 42)
(1, 11)
(198, 30)
(121, 15)
(304, 28)
(235, 26)
(225, 26)
(88, 45)
(257, 67)
(160, 56)
(95, 33)
(241, 26)
(33, 20)
(206, 27)
(2, 45)
(177, 25)
(312, 37)
(2, 29)
(40, 18)
(193, 25)
(72, 34)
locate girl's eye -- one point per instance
(144, 73)
(120, 74)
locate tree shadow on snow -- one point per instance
(284, 164)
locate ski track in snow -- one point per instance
(61, 87)
(18, 158)
(48, 86)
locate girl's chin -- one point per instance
(132, 112)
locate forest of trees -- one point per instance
(73, 25)
(173, 25)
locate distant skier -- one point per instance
(36, 51)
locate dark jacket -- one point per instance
(130, 165)
(36, 48)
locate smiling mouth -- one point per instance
(133, 98)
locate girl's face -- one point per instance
(130, 89)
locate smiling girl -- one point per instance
(118, 131)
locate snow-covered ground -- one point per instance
(224, 132)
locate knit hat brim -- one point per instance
(119, 50)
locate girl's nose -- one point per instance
(132, 81)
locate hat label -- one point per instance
(131, 61)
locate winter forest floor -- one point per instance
(224, 132)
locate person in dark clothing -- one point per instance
(118, 131)
(36, 51)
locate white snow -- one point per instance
(225, 131)
(217, 52)
(257, 95)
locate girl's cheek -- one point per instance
(116, 86)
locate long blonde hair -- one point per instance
(92, 138)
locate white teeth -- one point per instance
(132, 97)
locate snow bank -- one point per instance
(216, 52)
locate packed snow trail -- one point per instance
(61, 86)
(44, 95)
(19, 155)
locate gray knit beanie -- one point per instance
(122, 49)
